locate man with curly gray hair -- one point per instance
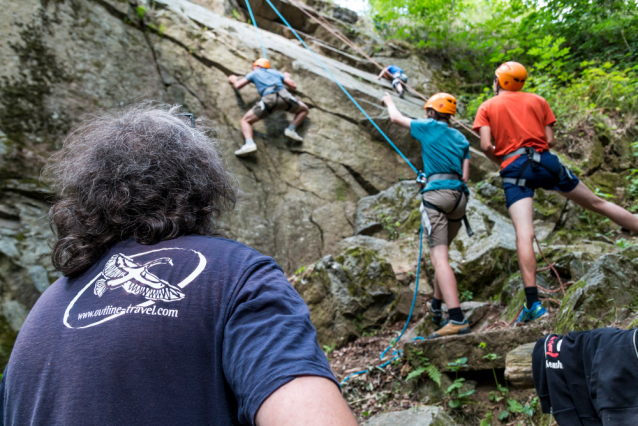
(157, 321)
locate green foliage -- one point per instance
(425, 367)
(141, 11)
(554, 35)
(458, 398)
(328, 349)
(487, 421)
(466, 296)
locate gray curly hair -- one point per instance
(141, 173)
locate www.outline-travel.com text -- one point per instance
(111, 310)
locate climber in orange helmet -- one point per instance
(521, 125)
(446, 166)
(272, 87)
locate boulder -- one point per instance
(350, 293)
(606, 293)
(402, 255)
(518, 366)
(416, 416)
(444, 350)
(387, 210)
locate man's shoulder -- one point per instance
(212, 246)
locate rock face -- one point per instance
(608, 292)
(64, 59)
(418, 416)
(518, 366)
(350, 293)
(444, 350)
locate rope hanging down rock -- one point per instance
(252, 18)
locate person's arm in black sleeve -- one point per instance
(540, 376)
(271, 357)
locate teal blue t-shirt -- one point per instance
(443, 150)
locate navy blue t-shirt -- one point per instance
(191, 331)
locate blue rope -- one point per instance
(252, 17)
(396, 354)
(340, 86)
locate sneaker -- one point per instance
(289, 133)
(452, 328)
(527, 315)
(248, 148)
(436, 315)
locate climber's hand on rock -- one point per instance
(232, 79)
(286, 75)
(387, 100)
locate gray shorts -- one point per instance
(444, 226)
(279, 101)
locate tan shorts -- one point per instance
(280, 101)
(444, 226)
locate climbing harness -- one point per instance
(533, 158)
(424, 215)
(278, 96)
(252, 18)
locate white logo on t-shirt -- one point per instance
(121, 272)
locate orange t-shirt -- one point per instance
(517, 120)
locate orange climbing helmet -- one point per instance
(443, 103)
(511, 76)
(262, 62)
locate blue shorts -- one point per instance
(550, 175)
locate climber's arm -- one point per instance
(237, 82)
(382, 73)
(466, 170)
(549, 132)
(395, 114)
(288, 82)
(486, 144)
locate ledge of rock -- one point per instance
(518, 366)
(444, 350)
(417, 416)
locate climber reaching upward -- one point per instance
(446, 163)
(272, 87)
(521, 124)
(396, 76)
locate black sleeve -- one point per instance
(540, 376)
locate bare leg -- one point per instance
(301, 114)
(246, 123)
(399, 88)
(437, 288)
(445, 276)
(522, 214)
(583, 196)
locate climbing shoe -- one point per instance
(248, 148)
(436, 315)
(452, 328)
(291, 134)
(536, 311)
